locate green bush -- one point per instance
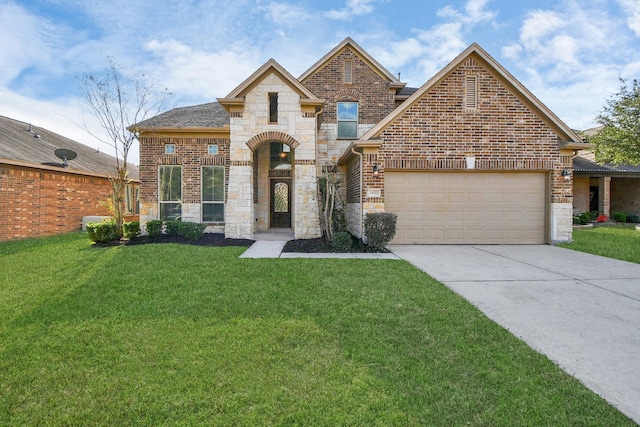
(131, 230)
(154, 228)
(633, 218)
(103, 231)
(341, 241)
(339, 221)
(172, 228)
(379, 227)
(593, 215)
(586, 218)
(619, 217)
(191, 230)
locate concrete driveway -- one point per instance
(580, 310)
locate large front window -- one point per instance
(213, 194)
(348, 120)
(170, 192)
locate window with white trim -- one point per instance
(347, 120)
(170, 149)
(212, 149)
(212, 194)
(170, 192)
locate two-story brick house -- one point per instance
(470, 157)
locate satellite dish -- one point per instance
(64, 155)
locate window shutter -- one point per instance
(471, 95)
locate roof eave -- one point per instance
(348, 153)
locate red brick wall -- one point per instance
(367, 87)
(503, 133)
(191, 154)
(36, 202)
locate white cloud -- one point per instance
(286, 14)
(474, 12)
(632, 8)
(200, 75)
(354, 8)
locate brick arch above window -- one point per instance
(269, 137)
(347, 95)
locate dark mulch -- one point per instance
(320, 245)
(207, 239)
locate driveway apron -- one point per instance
(580, 310)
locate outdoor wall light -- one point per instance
(376, 169)
(566, 174)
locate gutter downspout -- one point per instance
(361, 192)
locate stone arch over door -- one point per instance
(269, 137)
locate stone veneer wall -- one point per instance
(252, 127)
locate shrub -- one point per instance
(154, 228)
(172, 228)
(379, 227)
(585, 218)
(103, 231)
(602, 218)
(620, 217)
(633, 218)
(341, 241)
(131, 230)
(191, 230)
(592, 215)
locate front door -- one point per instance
(281, 203)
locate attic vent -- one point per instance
(471, 92)
(348, 71)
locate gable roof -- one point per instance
(270, 66)
(517, 88)
(348, 42)
(28, 145)
(210, 115)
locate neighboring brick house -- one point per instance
(38, 195)
(605, 188)
(250, 162)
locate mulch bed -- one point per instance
(318, 245)
(207, 239)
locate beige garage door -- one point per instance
(464, 208)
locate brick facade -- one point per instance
(37, 202)
(625, 195)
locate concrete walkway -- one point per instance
(580, 310)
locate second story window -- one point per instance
(347, 120)
(273, 107)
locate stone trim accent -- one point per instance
(272, 136)
(301, 162)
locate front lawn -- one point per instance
(619, 242)
(189, 335)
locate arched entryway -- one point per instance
(273, 180)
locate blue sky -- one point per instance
(569, 53)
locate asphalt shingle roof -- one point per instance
(580, 164)
(24, 142)
(210, 115)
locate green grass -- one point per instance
(187, 335)
(619, 242)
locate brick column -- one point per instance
(604, 195)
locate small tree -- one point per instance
(619, 140)
(119, 101)
(329, 200)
